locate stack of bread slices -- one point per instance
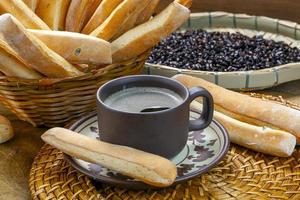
(67, 38)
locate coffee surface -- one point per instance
(141, 99)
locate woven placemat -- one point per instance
(243, 174)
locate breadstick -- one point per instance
(139, 39)
(79, 13)
(23, 13)
(147, 13)
(53, 13)
(149, 168)
(261, 139)
(110, 27)
(249, 109)
(6, 130)
(103, 11)
(75, 47)
(32, 4)
(35, 53)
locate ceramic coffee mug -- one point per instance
(162, 132)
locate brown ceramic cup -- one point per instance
(162, 132)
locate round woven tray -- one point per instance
(249, 25)
(243, 174)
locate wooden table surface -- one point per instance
(17, 155)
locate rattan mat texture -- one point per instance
(243, 174)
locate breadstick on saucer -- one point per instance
(23, 13)
(139, 39)
(147, 13)
(32, 4)
(261, 139)
(103, 11)
(110, 27)
(6, 130)
(33, 52)
(79, 13)
(53, 13)
(248, 109)
(149, 168)
(75, 47)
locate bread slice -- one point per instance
(33, 52)
(249, 109)
(143, 37)
(23, 13)
(79, 13)
(131, 20)
(32, 4)
(147, 13)
(12, 67)
(186, 3)
(110, 27)
(149, 168)
(12, 64)
(6, 130)
(75, 47)
(262, 139)
(53, 13)
(103, 11)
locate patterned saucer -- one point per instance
(203, 151)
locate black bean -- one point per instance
(216, 51)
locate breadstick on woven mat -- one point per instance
(6, 130)
(32, 4)
(75, 47)
(186, 3)
(23, 13)
(79, 13)
(53, 13)
(33, 52)
(248, 109)
(261, 139)
(147, 13)
(103, 11)
(149, 168)
(137, 40)
(110, 27)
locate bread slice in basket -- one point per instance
(139, 39)
(53, 13)
(33, 52)
(23, 13)
(75, 47)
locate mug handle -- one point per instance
(207, 110)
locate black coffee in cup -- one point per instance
(143, 99)
(150, 113)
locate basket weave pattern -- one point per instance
(243, 174)
(54, 102)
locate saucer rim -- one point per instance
(138, 184)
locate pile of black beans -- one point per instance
(221, 51)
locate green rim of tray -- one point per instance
(269, 28)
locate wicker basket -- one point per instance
(54, 102)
